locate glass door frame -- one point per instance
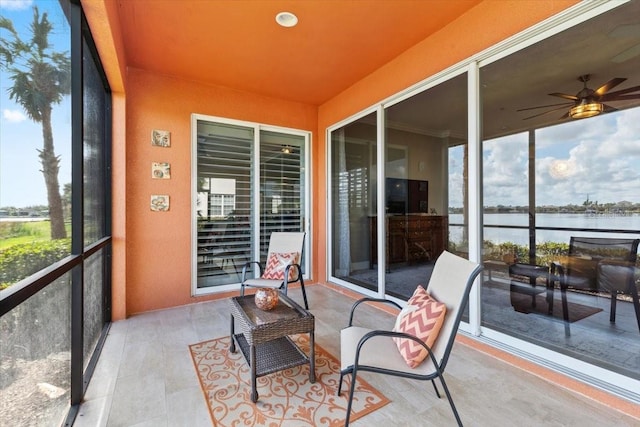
(255, 188)
(381, 238)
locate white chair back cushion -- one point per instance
(286, 242)
(447, 285)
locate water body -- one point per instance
(563, 220)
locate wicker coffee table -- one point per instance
(264, 336)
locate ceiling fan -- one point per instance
(589, 102)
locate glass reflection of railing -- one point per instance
(545, 251)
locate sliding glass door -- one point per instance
(354, 253)
(282, 185)
(423, 140)
(423, 137)
(249, 181)
(551, 176)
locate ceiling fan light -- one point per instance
(583, 111)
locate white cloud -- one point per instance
(13, 116)
(505, 171)
(598, 158)
(15, 4)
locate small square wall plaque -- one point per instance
(159, 202)
(160, 170)
(160, 138)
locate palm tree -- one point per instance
(41, 78)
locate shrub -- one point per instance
(23, 260)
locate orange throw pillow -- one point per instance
(419, 296)
(277, 263)
(423, 318)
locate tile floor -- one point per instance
(145, 377)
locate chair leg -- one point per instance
(565, 311)
(636, 306)
(565, 304)
(340, 383)
(550, 289)
(304, 293)
(453, 407)
(351, 391)
(435, 387)
(612, 313)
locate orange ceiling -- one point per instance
(237, 43)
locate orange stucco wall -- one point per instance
(159, 243)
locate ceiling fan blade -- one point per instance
(609, 85)
(546, 112)
(609, 108)
(544, 106)
(564, 116)
(565, 96)
(610, 95)
(622, 97)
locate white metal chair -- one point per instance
(281, 268)
(363, 349)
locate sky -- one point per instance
(596, 158)
(21, 182)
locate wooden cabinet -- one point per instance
(410, 238)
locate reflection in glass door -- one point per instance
(420, 189)
(353, 200)
(231, 212)
(421, 186)
(282, 186)
(224, 198)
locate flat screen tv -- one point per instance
(406, 196)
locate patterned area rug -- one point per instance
(286, 398)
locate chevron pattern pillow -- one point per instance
(277, 263)
(423, 318)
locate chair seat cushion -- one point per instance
(379, 351)
(263, 283)
(277, 262)
(423, 318)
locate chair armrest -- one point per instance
(286, 273)
(247, 267)
(369, 299)
(393, 334)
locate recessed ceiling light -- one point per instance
(286, 19)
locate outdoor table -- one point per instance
(264, 336)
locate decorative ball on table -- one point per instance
(266, 298)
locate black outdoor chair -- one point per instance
(599, 264)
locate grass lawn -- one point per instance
(15, 233)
